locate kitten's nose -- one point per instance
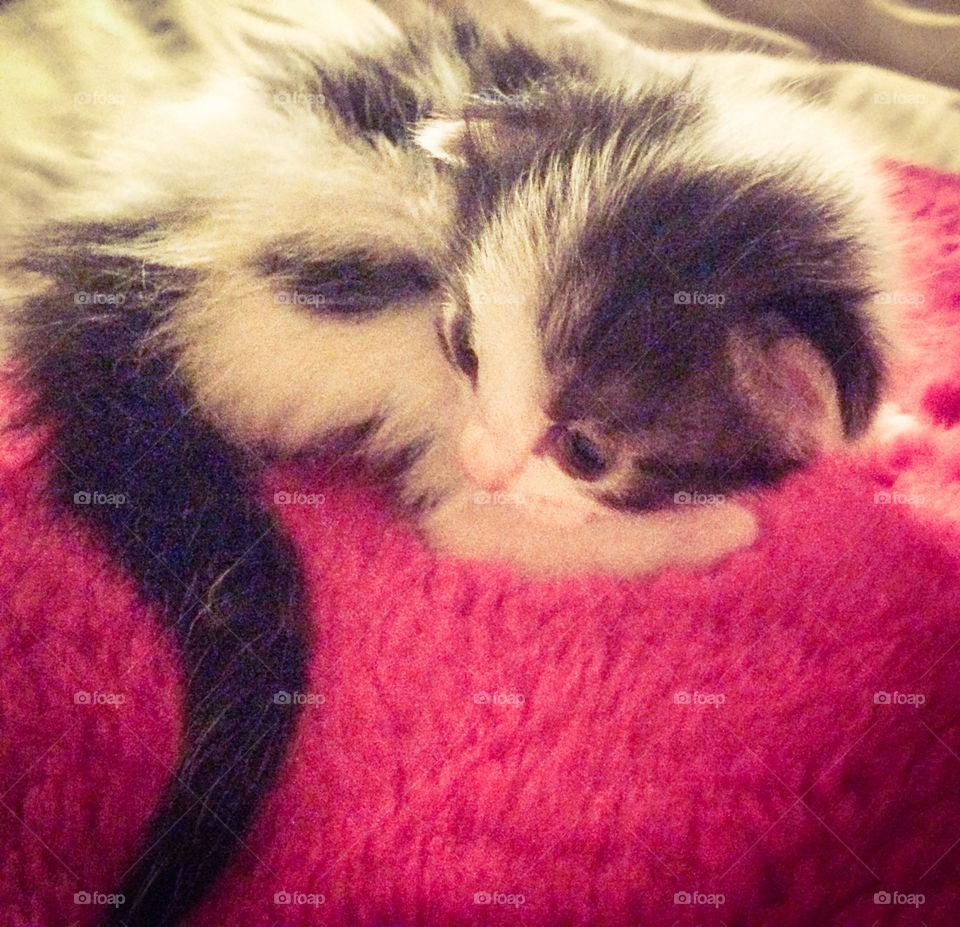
(487, 460)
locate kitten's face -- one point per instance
(607, 422)
(632, 328)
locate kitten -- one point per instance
(545, 300)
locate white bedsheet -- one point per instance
(893, 66)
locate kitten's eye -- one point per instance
(578, 455)
(464, 355)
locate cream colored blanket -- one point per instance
(893, 66)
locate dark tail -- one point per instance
(175, 504)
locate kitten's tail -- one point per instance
(189, 529)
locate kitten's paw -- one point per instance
(618, 544)
(701, 535)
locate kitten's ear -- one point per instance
(789, 385)
(498, 134)
(841, 323)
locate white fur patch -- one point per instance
(505, 283)
(440, 138)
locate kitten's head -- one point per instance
(657, 294)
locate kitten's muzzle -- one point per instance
(528, 473)
(490, 462)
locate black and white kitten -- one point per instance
(494, 272)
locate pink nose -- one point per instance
(486, 460)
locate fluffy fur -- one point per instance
(469, 263)
(540, 186)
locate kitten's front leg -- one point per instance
(486, 527)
